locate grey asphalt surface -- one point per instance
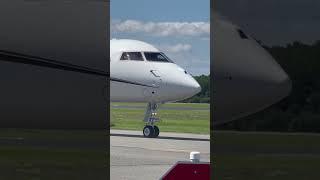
(160, 107)
(134, 157)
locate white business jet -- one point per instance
(142, 73)
(246, 78)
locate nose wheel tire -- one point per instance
(151, 131)
(156, 131)
(148, 131)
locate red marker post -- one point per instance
(189, 170)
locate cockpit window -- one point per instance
(242, 34)
(135, 56)
(156, 56)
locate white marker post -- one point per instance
(195, 156)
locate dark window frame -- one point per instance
(129, 59)
(168, 60)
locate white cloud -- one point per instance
(177, 48)
(162, 28)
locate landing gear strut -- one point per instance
(150, 130)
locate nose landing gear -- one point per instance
(150, 130)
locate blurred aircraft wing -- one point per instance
(73, 32)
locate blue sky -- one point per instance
(179, 28)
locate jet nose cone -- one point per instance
(191, 87)
(250, 91)
(180, 90)
(178, 85)
(282, 87)
(277, 82)
(196, 88)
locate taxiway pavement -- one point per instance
(134, 157)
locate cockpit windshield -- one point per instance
(157, 57)
(135, 56)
